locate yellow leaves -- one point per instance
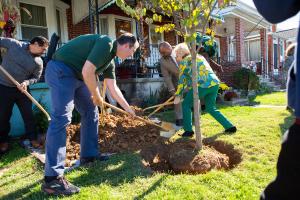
(206, 13)
(208, 31)
(211, 33)
(165, 27)
(157, 18)
(196, 12)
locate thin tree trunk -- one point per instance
(196, 97)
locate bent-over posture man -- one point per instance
(71, 77)
(170, 71)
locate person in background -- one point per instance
(286, 184)
(170, 71)
(208, 86)
(23, 62)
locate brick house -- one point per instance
(243, 37)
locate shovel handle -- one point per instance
(161, 105)
(25, 92)
(137, 117)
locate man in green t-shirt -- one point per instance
(71, 77)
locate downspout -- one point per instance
(267, 53)
(91, 20)
(97, 17)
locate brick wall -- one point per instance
(80, 28)
(223, 48)
(263, 46)
(239, 35)
(270, 52)
(227, 76)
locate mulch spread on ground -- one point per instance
(120, 133)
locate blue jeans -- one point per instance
(66, 91)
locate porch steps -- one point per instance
(270, 84)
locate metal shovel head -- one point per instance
(167, 125)
(167, 134)
(169, 130)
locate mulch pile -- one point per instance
(121, 133)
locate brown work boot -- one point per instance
(3, 147)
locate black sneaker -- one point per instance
(87, 160)
(231, 130)
(188, 134)
(59, 186)
(179, 122)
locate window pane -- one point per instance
(122, 25)
(38, 14)
(30, 32)
(255, 50)
(58, 23)
(103, 26)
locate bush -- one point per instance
(264, 89)
(245, 79)
(157, 97)
(41, 121)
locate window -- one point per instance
(122, 26)
(255, 51)
(35, 25)
(58, 23)
(103, 26)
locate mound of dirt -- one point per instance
(120, 133)
(181, 157)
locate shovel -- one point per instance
(158, 105)
(161, 105)
(25, 92)
(164, 126)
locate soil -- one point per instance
(120, 133)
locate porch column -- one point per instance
(223, 48)
(240, 47)
(270, 52)
(263, 48)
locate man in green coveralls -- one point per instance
(71, 77)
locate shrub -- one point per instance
(264, 89)
(41, 121)
(245, 79)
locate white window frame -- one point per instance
(34, 3)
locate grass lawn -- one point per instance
(275, 98)
(123, 176)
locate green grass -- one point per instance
(124, 177)
(276, 98)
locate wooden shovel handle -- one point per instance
(137, 117)
(25, 92)
(162, 105)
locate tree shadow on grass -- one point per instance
(15, 153)
(119, 169)
(213, 137)
(152, 188)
